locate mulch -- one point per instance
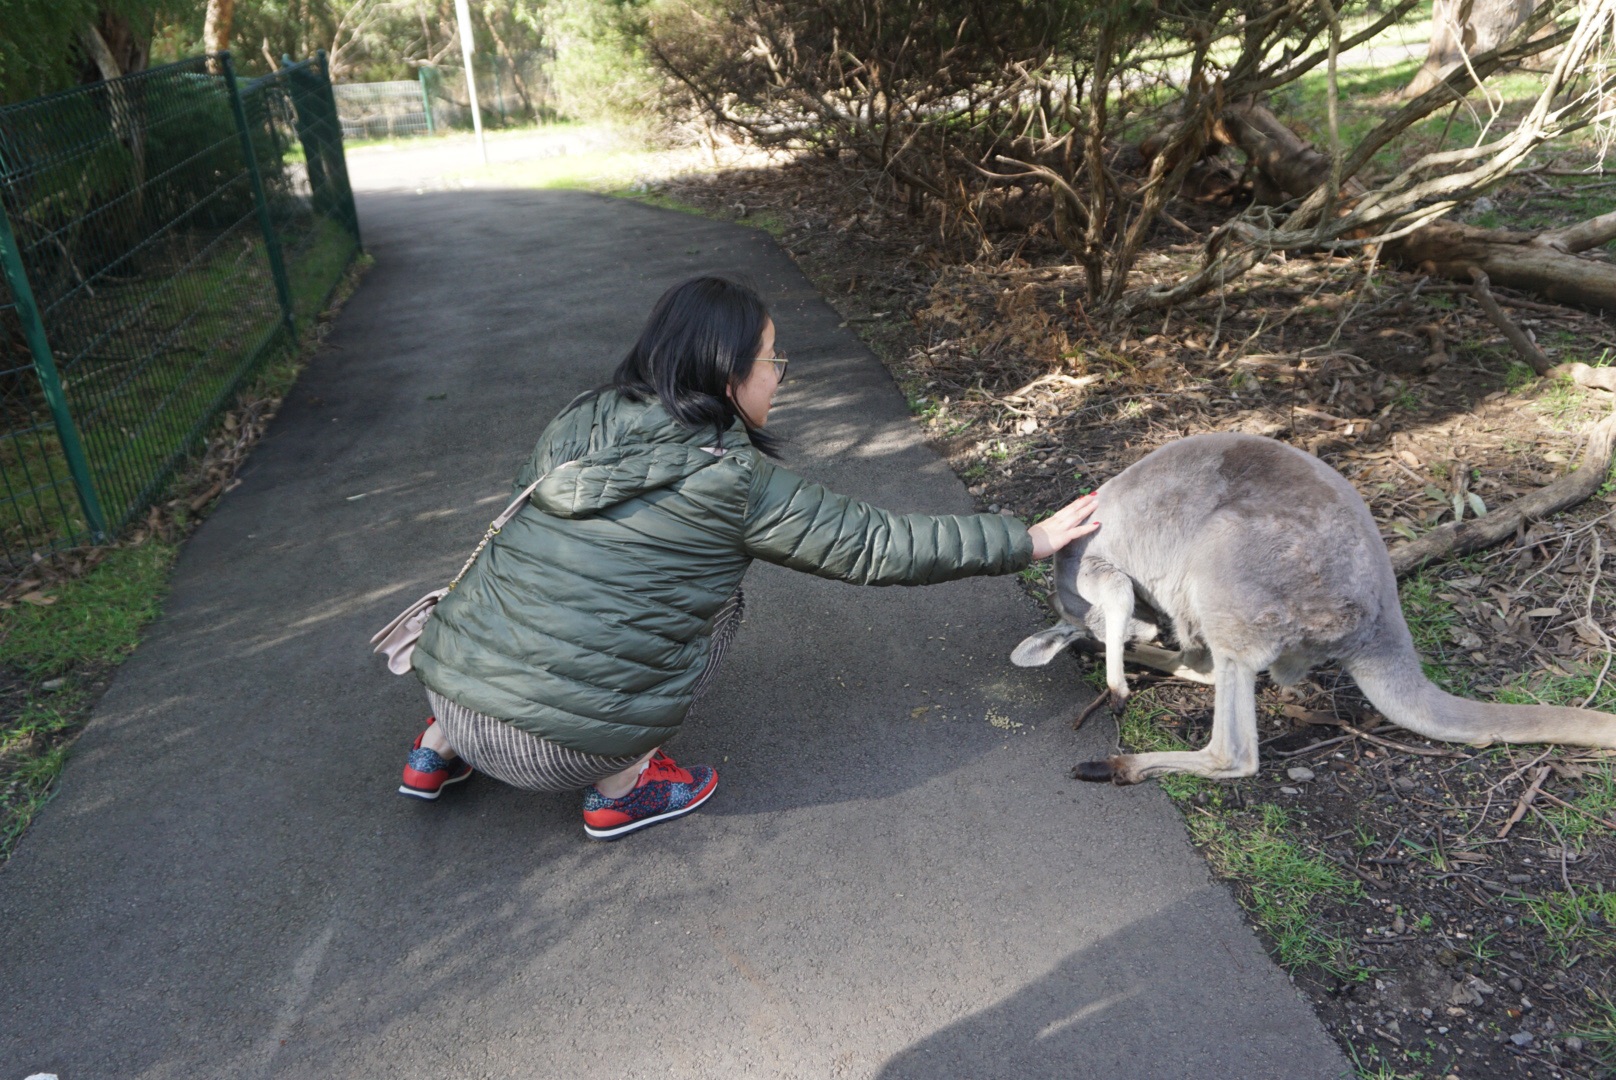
(1460, 965)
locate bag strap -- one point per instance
(498, 523)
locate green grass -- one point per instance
(93, 624)
(96, 619)
(770, 222)
(1599, 1036)
(441, 136)
(1564, 402)
(1430, 619)
(1542, 688)
(1285, 886)
(33, 749)
(604, 171)
(1142, 731)
(1368, 95)
(1579, 921)
(1597, 797)
(1518, 376)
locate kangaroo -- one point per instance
(1256, 556)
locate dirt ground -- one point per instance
(1445, 908)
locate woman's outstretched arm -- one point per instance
(808, 527)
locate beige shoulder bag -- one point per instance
(397, 639)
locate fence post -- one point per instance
(339, 158)
(33, 328)
(306, 102)
(272, 240)
(426, 99)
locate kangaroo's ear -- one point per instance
(1042, 647)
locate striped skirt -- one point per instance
(526, 761)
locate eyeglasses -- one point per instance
(780, 363)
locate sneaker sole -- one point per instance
(405, 789)
(645, 823)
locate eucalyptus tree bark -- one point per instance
(125, 122)
(216, 25)
(1461, 29)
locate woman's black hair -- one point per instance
(702, 337)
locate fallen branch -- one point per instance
(1526, 799)
(1524, 345)
(1461, 538)
(1020, 393)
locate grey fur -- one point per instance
(1259, 557)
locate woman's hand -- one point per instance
(1063, 526)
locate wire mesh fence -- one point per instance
(382, 110)
(510, 89)
(161, 236)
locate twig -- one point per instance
(1526, 800)
(1524, 345)
(1556, 800)
(1404, 747)
(1067, 380)
(1588, 617)
(1565, 875)
(1311, 747)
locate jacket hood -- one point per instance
(650, 450)
(619, 473)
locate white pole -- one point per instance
(463, 16)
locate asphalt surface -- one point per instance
(895, 878)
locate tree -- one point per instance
(46, 46)
(216, 25)
(1464, 28)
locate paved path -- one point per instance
(887, 884)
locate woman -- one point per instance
(572, 650)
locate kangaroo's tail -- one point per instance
(1391, 678)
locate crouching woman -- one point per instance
(571, 652)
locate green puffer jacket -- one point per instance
(587, 621)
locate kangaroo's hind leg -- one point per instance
(1229, 754)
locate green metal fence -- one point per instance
(161, 237)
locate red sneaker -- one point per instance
(426, 773)
(665, 791)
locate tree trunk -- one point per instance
(113, 46)
(123, 55)
(216, 25)
(1526, 261)
(1461, 28)
(1543, 262)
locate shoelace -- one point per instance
(661, 767)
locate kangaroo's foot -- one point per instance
(1095, 772)
(1124, 769)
